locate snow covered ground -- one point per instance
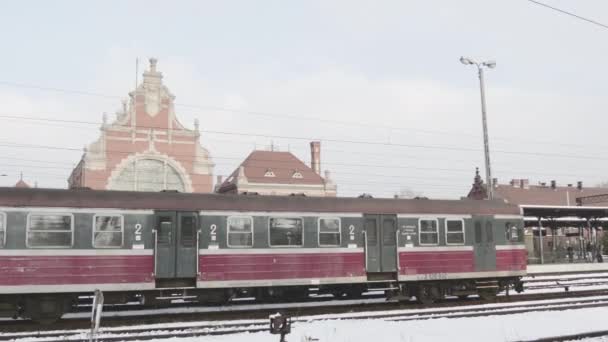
(517, 327)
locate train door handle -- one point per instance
(397, 249)
(198, 235)
(365, 248)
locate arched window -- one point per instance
(148, 175)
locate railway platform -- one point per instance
(567, 268)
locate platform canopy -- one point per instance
(542, 211)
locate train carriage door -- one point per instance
(389, 243)
(380, 243)
(483, 243)
(176, 247)
(164, 249)
(187, 245)
(372, 243)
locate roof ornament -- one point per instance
(153, 62)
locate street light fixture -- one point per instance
(486, 144)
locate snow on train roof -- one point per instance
(61, 198)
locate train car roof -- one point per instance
(62, 198)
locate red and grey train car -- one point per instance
(56, 245)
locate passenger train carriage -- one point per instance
(58, 244)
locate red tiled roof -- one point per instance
(546, 195)
(282, 164)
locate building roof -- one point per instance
(273, 167)
(21, 184)
(546, 195)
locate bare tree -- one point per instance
(408, 193)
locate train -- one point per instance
(57, 245)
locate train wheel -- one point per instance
(45, 309)
(487, 294)
(425, 294)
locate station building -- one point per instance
(557, 218)
(146, 147)
(280, 173)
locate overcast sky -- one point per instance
(382, 72)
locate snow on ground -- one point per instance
(517, 327)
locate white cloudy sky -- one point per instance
(381, 72)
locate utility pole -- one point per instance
(484, 120)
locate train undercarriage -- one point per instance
(48, 308)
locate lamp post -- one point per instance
(486, 144)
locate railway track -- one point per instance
(260, 325)
(111, 319)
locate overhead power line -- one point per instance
(348, 141)
(570, 14)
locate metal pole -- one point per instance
(486, 144)
(540, 240)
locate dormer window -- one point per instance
(269, 173)
(297, 174)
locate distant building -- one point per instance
(21, 183)
(521, 192)
(146, 148)
(280, 173)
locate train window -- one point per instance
(107, 231)
(165, 231)
(2, 229)
(286, 231)
(329, 232)
(478, 232)
(389, 236)
(240, 231)
(188, 231)
(49, 230)
(511, 232)
(371, 232)
(428, 232)
(489, 232)
(454, 232)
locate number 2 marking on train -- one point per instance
(351, 232)
(138, 232)
(212, 229)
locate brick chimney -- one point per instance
(315, 156)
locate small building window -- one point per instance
(297, 174)
(329, 232)
(454, 232)
(2, 229)
(49, 230)
(240, 231)
(107, 231)
(427, 232)
(286, 231)
(269, 173)
(511, 232)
